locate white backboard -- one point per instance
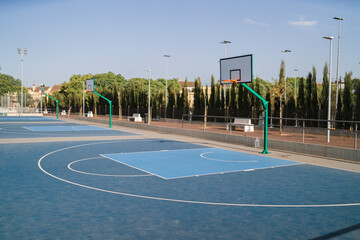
(90, 84)
(239, 69)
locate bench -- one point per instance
(63, 112)
(136, 117)
(90, 114)
(245, 123)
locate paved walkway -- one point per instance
(313, 160)
(337, 141)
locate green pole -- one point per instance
(109, 101)
(265, 105)
(57, 105)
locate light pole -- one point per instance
(329, 95)
(22, 53)
(337, 68)
(166, 77)
(149, 117)
(225, 43)
(285, 51)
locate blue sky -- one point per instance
(66, 37)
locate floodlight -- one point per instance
(225, 42)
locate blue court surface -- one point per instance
(63, 128)
(56, 129)
(195, 162)
(26, 119)
(70, 190)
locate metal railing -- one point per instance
(298, 123)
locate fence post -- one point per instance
(303, 132)
(355, 144)
(182, 121)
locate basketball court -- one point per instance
(68, 180)
(146, 185)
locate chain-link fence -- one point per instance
(11, 104)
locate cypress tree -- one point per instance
(258, 105)
(186, 97)
(278, 91)
(347, 100)
(217, 99)
(240, 100)
(324, 98)
(227, 99)
(301, 99)
(290, 109)
(268, 99)
(357, 103)
(222, 98)
(339, 111)
(276, 113)
(246, 102)
(212, 104)
(308, 97)
(314, 97)
(199, 103)
(206, 97)
(233, 106)
(197, 96)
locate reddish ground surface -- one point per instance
(345, 142)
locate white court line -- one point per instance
(98, 174)
(166, 150)
(150, 173)
(219, 160)
(235, 171)
(28, 129)
(180, 200)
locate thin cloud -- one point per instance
(253, 22)
(303, 23)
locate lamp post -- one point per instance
(338, 56)
(149, 117)
(22, 53)
(285, 51)
(329, 95)
(166, 77)
(225, 43)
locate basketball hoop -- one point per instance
(230, 81)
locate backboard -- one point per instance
(90, 85)
(42, 89)
(236, 69)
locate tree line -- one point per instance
(306, 98)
